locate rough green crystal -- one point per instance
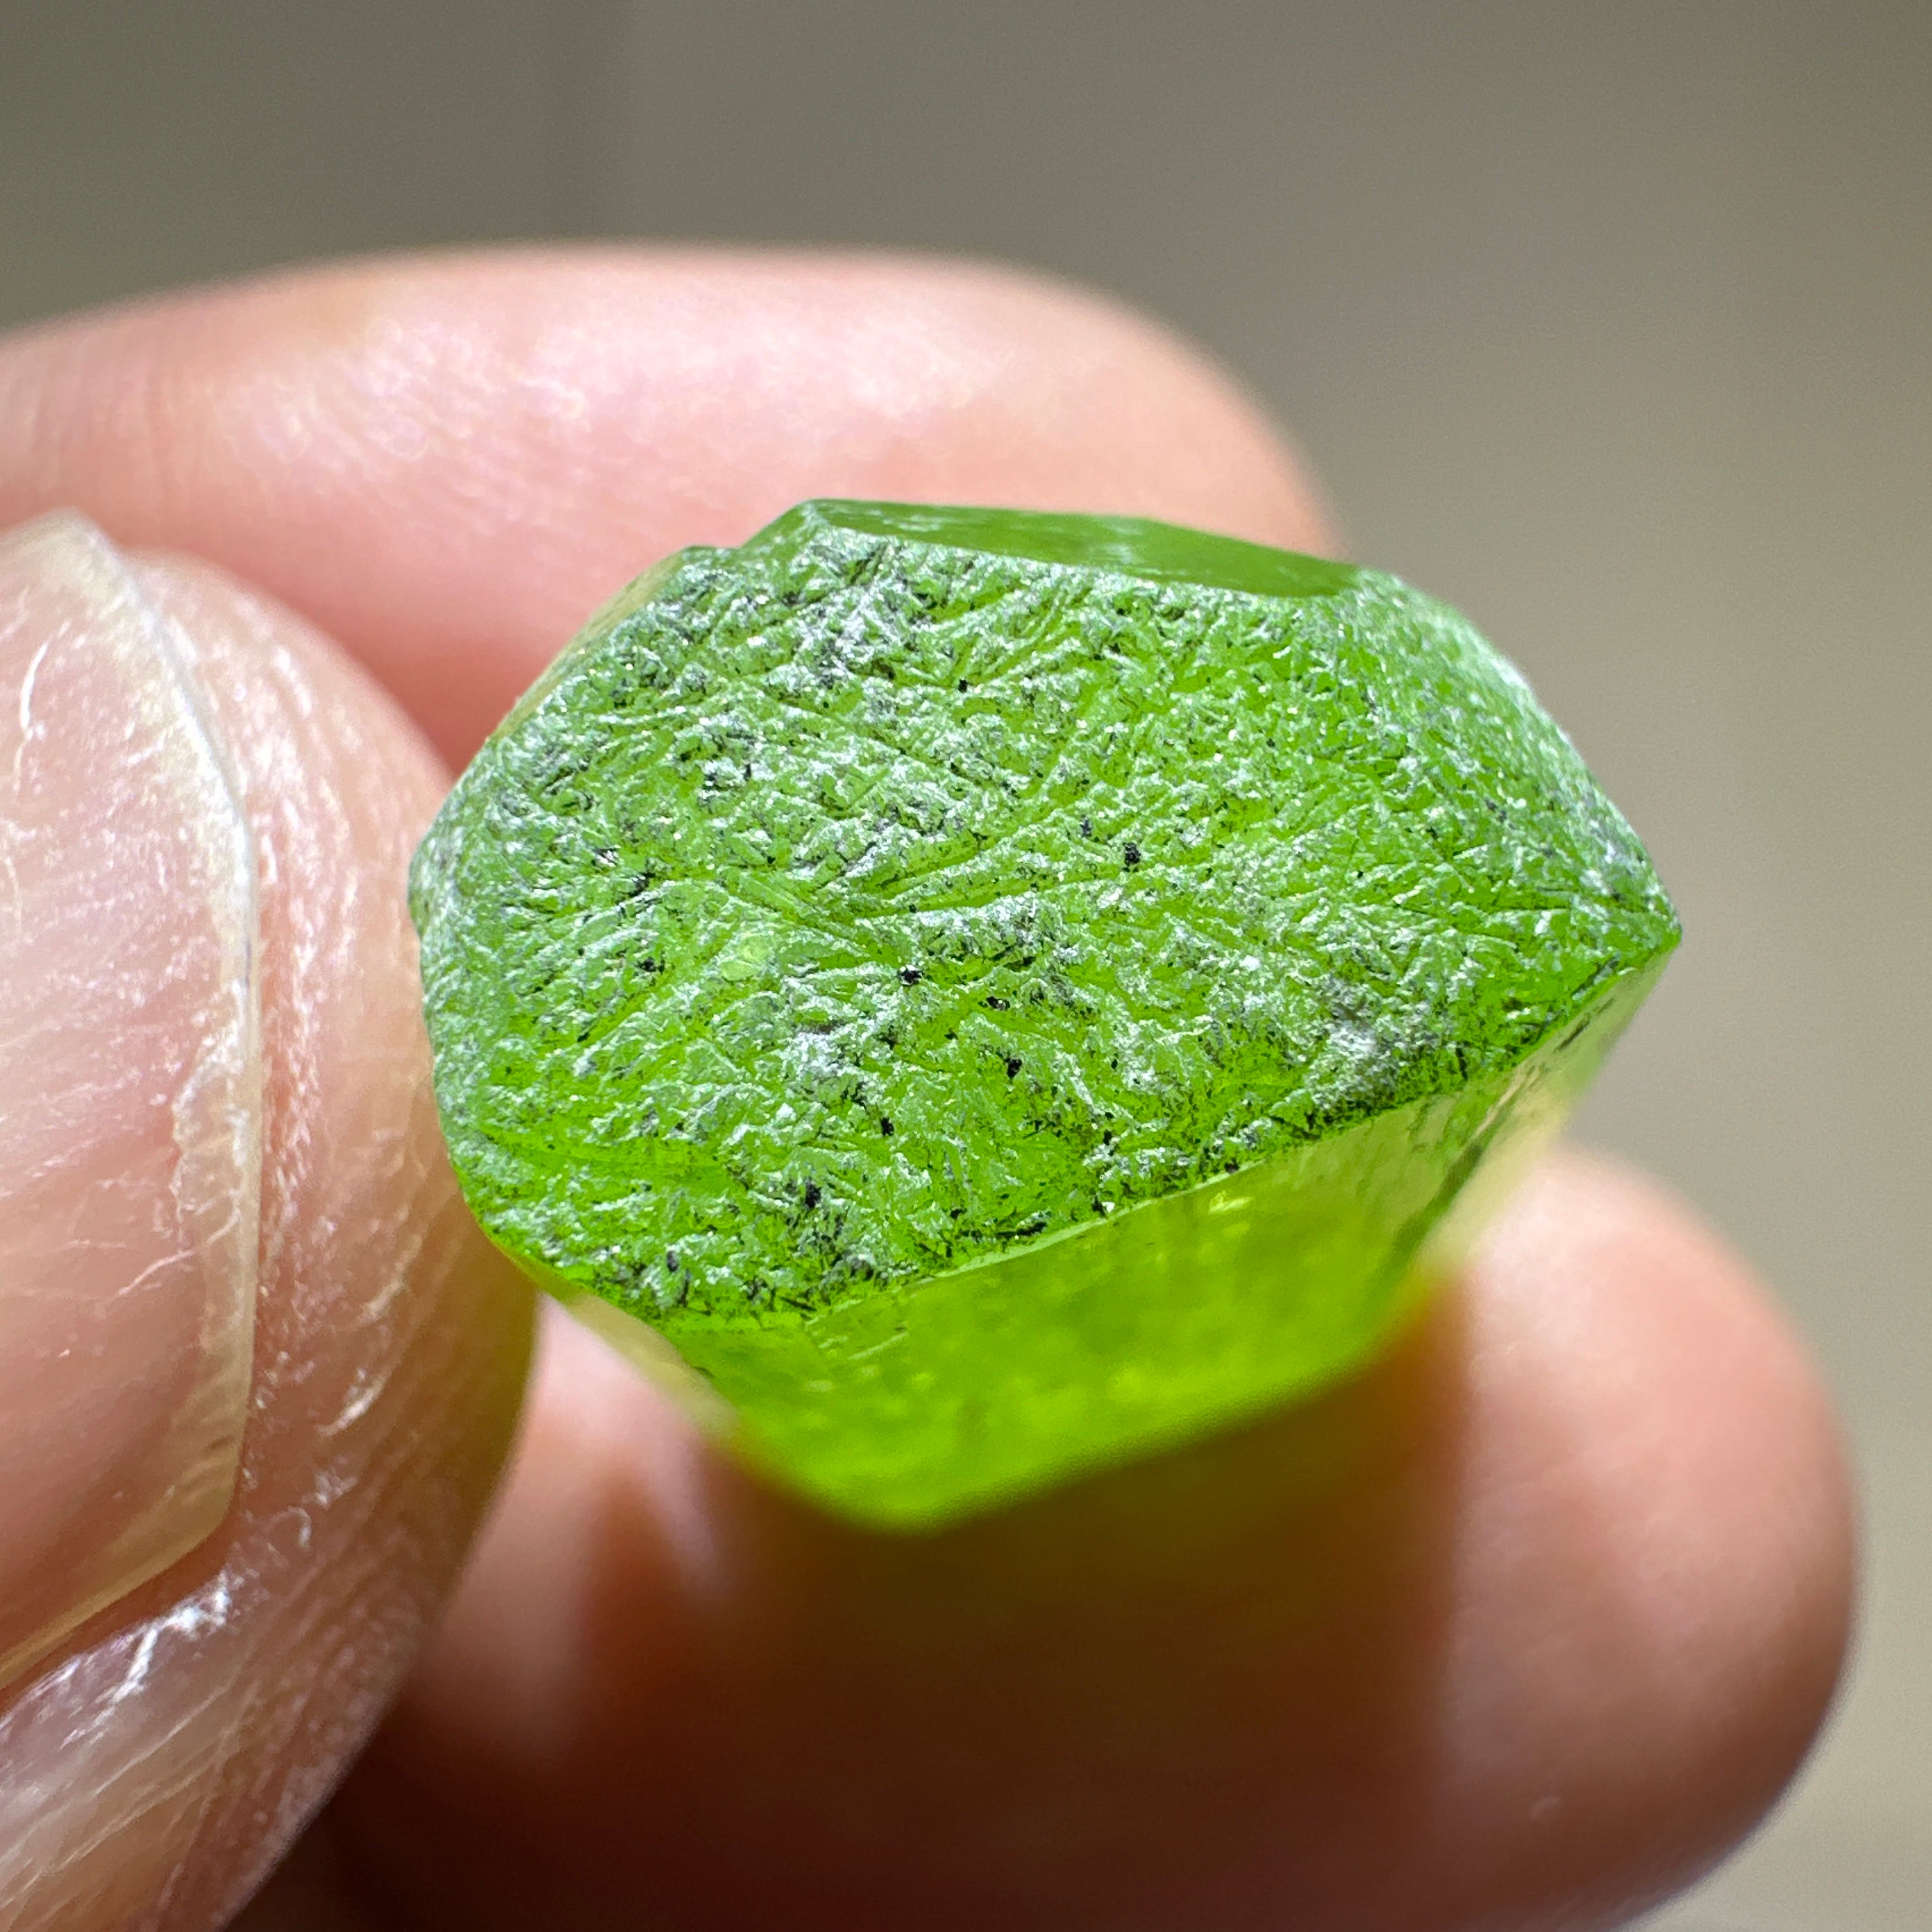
(1000, 992)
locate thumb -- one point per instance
(257, 1370)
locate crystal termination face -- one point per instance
(1001, 992)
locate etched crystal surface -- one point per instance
(999, 991)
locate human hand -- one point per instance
(1525, 1623)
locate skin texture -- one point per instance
(1524, 1626)
(389, 1348)
(129, 1199)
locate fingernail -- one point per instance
(129, 1094)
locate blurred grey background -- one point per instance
(1613, 324)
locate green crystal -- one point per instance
(999, 993)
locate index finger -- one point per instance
(447, 464)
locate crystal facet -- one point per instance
(1000, 992)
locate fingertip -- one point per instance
(502, 441)
(130, 1138)
(1658, 1554)
(1537, 1616)
(162, 1759)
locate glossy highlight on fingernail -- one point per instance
(130, 1092)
